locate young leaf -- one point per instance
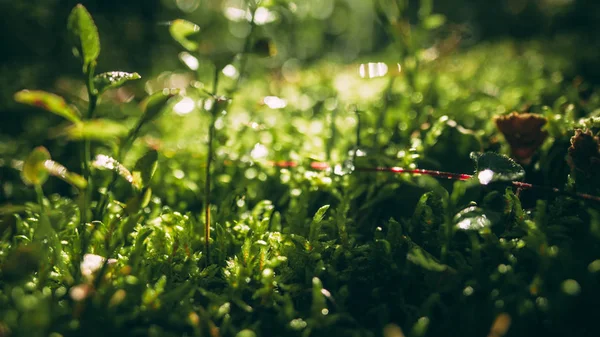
(319, 302)
(113, 79)
(181, 31)
(84, 35)
(154, 104)
(97, 129)
(34, 172)
(49, 102)
(61, 172)
(315, 226)
(145, 167)
(105, 162)
(491, 167)
(139, 201)
(422, 258)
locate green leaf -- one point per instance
(12, 209)
(315, 226)
(154, 104)
(420, 327)
(472, 218)
(391, 9)
(320, 214)
(104, 162)
(139, 201)
(319, 302)
(182, 30)
(113, 79)
(144, 168)
(97, 129)
(49, 102)
(61, 172)
(434, 21)
(492, 167)
(424, 259)
(84, 35)
(21, 263)
(34, 172)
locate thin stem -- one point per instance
(207, 181)
(85, 165)
(383, 113)
(40, 198)
(332, 135)
(358, 126)
(244, 60)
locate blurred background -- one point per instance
(134, 35)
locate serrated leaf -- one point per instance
(154, 104)
(61, 172)
(104, 162)
(315, 226)
(472, 218)
(491, 167)
(34, 172)
(424, 259)
(49, 102)
(113, 80)
(182, 30)
(146, 166)
(97, 129)
(84, 35)
(318, 217)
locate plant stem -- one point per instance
(244, 60)
(85, 166)
(332, 135)
(40, 198)
(207, 181)
(383, 113)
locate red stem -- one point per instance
(320, 166)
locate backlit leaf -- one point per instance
(145, 167)
(97, 129)
(491, 167)
(112, 80)
(34, 172)
(315, 226)
(104, 162)
(434, 21)
(154, 104)
(84, 35)
(182, 30)
(49, 102)
(61, 172)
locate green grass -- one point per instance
(120, 247)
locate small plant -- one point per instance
(86, 46)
